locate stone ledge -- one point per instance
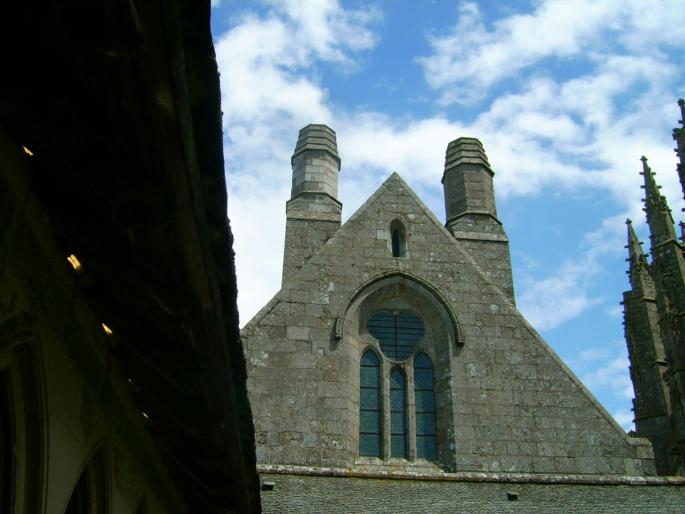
(467, 476)
(480, 236)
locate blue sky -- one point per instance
(565, 96)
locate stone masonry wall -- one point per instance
(329, 494)
(515, 405)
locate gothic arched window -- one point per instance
(370, 432)
(398, 239)
(424, 393)
(398, 415)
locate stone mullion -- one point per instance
(385, 406)
(411, 411)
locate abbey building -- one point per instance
(393, 367)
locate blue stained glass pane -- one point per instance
(397, 334)
(369, 399)
(425, 401)
(397, 400)
(369, 405)
(426, 443)
(423, 379)
(369, 377)
(397, 422)
(397, 380)
(370, 445)
(369, 359)
(398, 447)
(425, 423)
(426, 447)
(422, 361)
(369, 421)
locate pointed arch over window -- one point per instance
(424, 392)
(398, 415)
(370, 432)
(398, 239)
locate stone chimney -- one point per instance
(471, 211)
(313, 211)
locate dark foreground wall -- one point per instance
(340, 495)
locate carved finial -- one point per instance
(681, 104)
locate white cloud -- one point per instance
(470, 59)
(615, 311)
(565, 294)
(603, 367)
(594, 354)
(329, 30)
(612, 376)
(268, 92)
(624, 418)
(549, 302)
(544, 134)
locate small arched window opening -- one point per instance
(398, 239)
(370, 433)
(424, 393)
(398, 415)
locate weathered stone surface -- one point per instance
(504, 402)
(310, 490)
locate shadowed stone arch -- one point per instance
(92, 492)
(23, 428)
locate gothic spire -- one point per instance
(679, 137)
(659, 216)
(640, 280)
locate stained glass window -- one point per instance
(369, 405)
(397, 332)
(424, 392)
(398, 416)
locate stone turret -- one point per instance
(647, 357)
(313, 211)
(668, 271)
(471, 211)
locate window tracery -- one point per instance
(373, 321)
(398, 334)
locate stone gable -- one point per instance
(504, 400)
